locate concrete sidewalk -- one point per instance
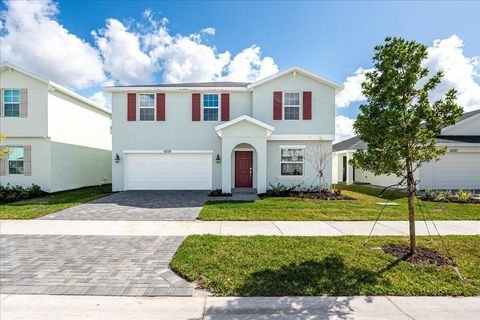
(16, 307)
(236, 228)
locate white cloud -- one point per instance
(99, 98)
(209, 30)
(353, 89)
(33, 39)
(123, 57)
(343, 128)
(249, 66)
(460, 72)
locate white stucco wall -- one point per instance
(76, 166)
(40, 164)
(323, 105)
(35, 125)
(178, 132)
(74, 122)
(309, 179)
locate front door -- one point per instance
(344, 169)
(243, 169)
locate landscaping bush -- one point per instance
(219, 193)
(462, 196)
(297, 191)
(9, 193)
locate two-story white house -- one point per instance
(57, 139)
(221, 135)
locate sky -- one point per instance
(85, 45)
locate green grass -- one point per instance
(364, 207)
(281, 266)
(40, 206)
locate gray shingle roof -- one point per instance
(215, 84)
(355, 143)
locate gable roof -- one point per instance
(355, 143)
(6, 65)
(213, 84)
(225, 85)
(338, 87)
(219, 128)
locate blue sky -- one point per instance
(333, 39)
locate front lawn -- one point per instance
(363, 208)
(284, 266)
(40, 206)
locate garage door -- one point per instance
(168, 171)
(453, 171)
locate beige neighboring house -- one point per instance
(58, 139)
(458, 168)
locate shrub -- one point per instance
(281, 190)
(441, 196)
(9, 193)
(219, 193)
(429, 195)
(464, 195)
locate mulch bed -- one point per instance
(423, 255)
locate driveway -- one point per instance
(138, 206)
(90, 265)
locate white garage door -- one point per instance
(453, 171)
(168, 171)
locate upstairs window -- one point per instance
(291, 105)
(147, 107)
(210, 107)
(15, 160)
(291, 161)
(11, 102)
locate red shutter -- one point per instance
(307, 105)
(277, 105)
(195, 106)
(132, 106)
(160, 106)
(225, 106)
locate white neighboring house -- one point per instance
(222, 134)
(458, 168)
(58, 139)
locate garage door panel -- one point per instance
(158, 171)
(453, 171)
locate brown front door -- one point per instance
(243, 169)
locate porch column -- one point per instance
(226, 166)
(349, 169)
(261, 149)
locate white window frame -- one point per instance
(300, 105)
(154, 106)
(3, 102)
(9, 160)
(218, 107)
(302, 162)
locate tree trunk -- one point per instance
(411, 207)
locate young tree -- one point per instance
(399, 123)
(318, 156)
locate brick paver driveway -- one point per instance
(138, 206)
(90, 265)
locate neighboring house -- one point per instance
(221, 134)
(458, 168)
(58, 139)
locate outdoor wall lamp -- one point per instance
(217, 159)
(117, 158)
